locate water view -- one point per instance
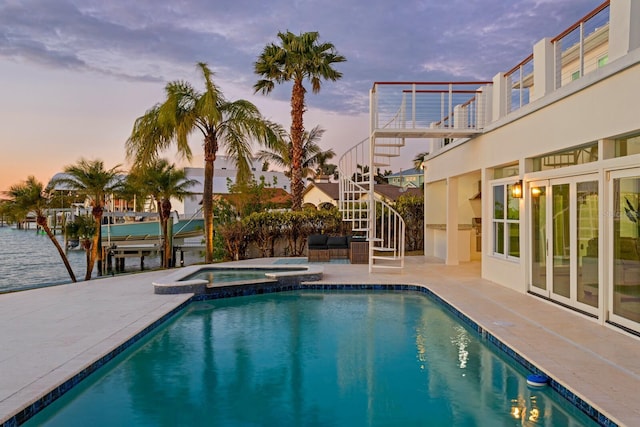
(28, 259)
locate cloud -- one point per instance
(149, 40)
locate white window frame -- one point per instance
(504, 221)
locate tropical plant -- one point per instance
(418, 160)
(236, 239)
(162, 181)
(83, 228)
(91, 181)
(223, 124)
(411, 208)
(296, 58)
(29, 196)
(362, 175)
(327, 170)
(280, 152)
(264, 228)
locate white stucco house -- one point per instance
(537, 169)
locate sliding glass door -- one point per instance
(538, 238)
(624, 245)
(564, 241)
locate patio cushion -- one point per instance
(317, 241)
(337, 242)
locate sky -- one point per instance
(75, 74)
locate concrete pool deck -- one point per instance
(48, 335)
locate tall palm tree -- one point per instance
(163, 181)
(29, 196)
(93, 182)
(298, 57)
(280, 153)
(223, 124)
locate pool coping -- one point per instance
(587, 407)
(173, 283)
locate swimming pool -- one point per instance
(311, 358)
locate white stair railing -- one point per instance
(371, 216)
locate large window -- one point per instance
(628, 146)
(506, 221)
(574, 156)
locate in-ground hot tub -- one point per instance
(200, 279)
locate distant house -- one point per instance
(321, 195)
(410, 178)
(224, 175)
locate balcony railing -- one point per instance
(519, 84)
(451, 106)
(583, 47)
(578, 50)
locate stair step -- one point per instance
(381, 164)
(359, 229)
(389, 144)
(395, 267)
(386, 154)
(384, 249)
(387, 258)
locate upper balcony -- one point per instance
(448, 111)
(579, 50)
(429, 109)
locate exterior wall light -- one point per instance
(516, 190)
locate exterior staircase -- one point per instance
(371, 216)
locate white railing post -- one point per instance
(403, 111)
(581, 49)
(450, 104)
(521, 84)
(557, 63)
(413, 103)
(441, 110)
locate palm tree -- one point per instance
(93, 182)
(323, 168)
(298, 57)
(223, 124)
(280, 153)
(418, 160)
(84, 229)
(29, 196)
(163, 181)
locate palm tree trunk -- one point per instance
(98, 250)
(210, 149)
(297, 130)
(42, 222)
(86, 245)
(165, 212)
(96, 246)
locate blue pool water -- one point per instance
(226, 275)
(311, 358)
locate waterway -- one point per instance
(28, 259)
